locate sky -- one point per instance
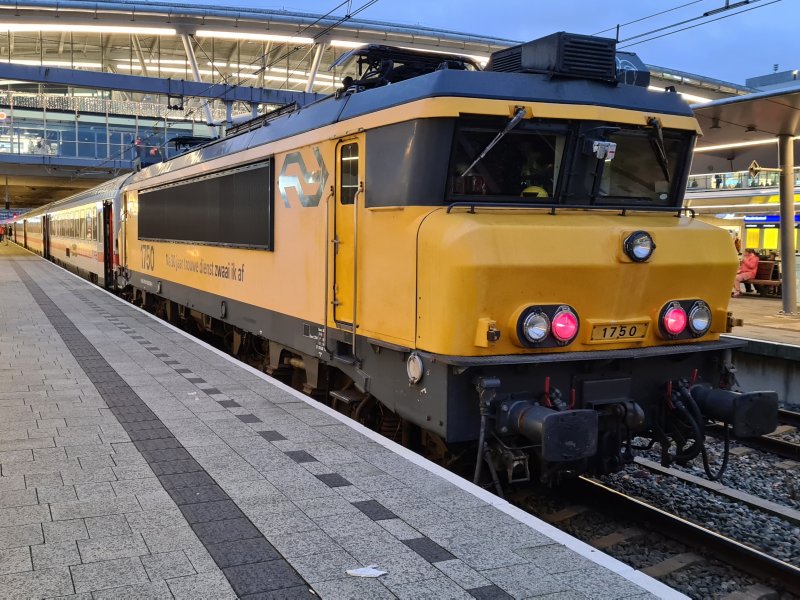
(732, 48)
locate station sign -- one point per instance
(8, 214)
(767, 219)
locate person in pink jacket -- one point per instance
(747, 270)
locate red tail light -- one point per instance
(674, 320)
(565, 325)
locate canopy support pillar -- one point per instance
(788, 261)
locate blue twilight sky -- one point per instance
(732, 48)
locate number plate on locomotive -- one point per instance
(619, 331)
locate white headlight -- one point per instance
(700, 318)
(414, 368)
(535, 327)
(639, 246)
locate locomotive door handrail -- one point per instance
(354, 325)
(327, 254)
(623, 209)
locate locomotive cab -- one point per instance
(566, 285)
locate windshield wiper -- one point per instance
(519, 114)
(657, 142)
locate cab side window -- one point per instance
(349, 173)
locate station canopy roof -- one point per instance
(245, 46)
(755, 118)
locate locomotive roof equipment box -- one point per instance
(572, 55)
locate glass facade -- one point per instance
(734, 180)
(92, 135)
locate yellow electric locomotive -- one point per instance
(496, 259)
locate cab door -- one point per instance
(349, 198)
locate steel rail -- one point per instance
(745, 558)
(774, 445)
(765, 443)
(775, 509)
(789, 417)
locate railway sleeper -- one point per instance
(673, 564)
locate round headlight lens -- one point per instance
(565, 325)
(639, 246)
(674, 320)
(700, 318)
(414, 368)
(535, 327)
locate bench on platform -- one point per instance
(767, 279)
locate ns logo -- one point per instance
(307, 184)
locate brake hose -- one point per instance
(697, 446)
(726, 453)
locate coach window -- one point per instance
(349, 173)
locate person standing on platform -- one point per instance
(747, 270)
(139, 148)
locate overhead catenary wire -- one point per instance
(703, 16)
(658, 14)
(668, 33)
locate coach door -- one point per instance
(108, 245)
(122, 234)
(349, 197)
(46, 236)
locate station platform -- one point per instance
(763, 321)
(138, 462)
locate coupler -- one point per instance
(561, 435)
(750, 414)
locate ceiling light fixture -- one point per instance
(53, 63)
(482, 60)
(347, 44)
(684, 95)
(739, 145)
(251, 36)
(66, 27)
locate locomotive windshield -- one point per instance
(524, 163)
(643, 168)
(546, 162)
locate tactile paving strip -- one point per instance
(251, 564)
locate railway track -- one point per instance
(780, 575)
(772, 443)
(789, 417)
